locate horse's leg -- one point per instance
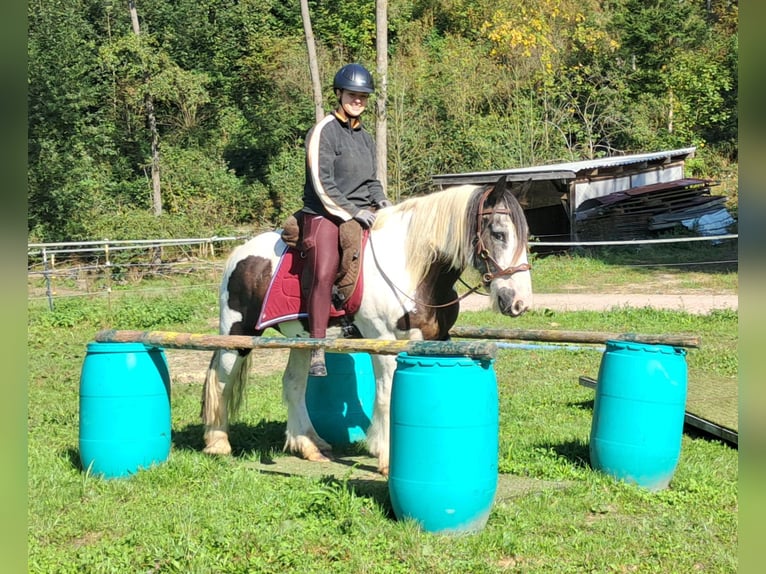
(226, 375)
(378, 434)
(301, 437)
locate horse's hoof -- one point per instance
(217, 451)
(384, 471)
(318, 456)
(218, 448)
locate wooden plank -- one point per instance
(197, 341)
(551, 335)
(690, 419)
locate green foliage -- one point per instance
(652, 34)
(472, 85)
(679, 64)
(347, 29)
(204, 187)
(285, 179)
(67, 313)
(128, 311)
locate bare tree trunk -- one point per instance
(670, 110)
(134, 17)
(156, 191)
(381, 125)
(316, 85)
(152, 123)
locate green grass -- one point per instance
(696, 267)
(199, 514)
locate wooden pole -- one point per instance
(572, 336)
(172, 340)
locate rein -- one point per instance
(417, 302)
(481, 251)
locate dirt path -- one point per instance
(691, 303)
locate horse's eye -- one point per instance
(498, 236)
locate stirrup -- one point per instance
(317, 367)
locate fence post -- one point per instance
(46, 273)
(108, 274)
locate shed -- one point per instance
(552, 195)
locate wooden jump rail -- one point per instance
(549, 335)
(201, 342)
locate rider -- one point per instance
(341, 185)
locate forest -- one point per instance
(214, 98)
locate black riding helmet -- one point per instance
(355, 78)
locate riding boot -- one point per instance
(317, 367)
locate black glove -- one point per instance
(365, 217)
(384, 203)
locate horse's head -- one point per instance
(500, 235)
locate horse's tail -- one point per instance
(235, 390)
(232, 394)
(211, 396)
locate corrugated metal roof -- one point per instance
(568, 170)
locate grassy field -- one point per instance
(196, 514)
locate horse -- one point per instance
(416, 252)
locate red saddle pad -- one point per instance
(283, 301)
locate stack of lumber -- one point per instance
(640, 212)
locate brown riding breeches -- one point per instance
(320, 247)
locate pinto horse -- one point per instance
(416, 252)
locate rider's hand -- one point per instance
(365, 217)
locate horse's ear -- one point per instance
(497, 192)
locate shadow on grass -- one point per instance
(74, 459)
(264, 442)
(584, 405)
(246, 440)
(576, 452)
(376, 490)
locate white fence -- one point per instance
(91, 268)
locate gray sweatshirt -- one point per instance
(341, 176)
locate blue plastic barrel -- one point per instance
(340, 404)
(444, 442)
(124, 408)
(638, 413)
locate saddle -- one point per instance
(350, 237)
(288, 291)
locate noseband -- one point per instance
(483, 253)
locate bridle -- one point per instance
(481, 251)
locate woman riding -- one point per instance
(341, 185)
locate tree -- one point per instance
(316, 85)
(72, 152)
(381, 126)
(463, 85)
(151, 121)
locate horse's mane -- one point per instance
(441, 226)
(436, 228)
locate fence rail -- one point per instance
(633, 241)
(107, 245)
(92, 265)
